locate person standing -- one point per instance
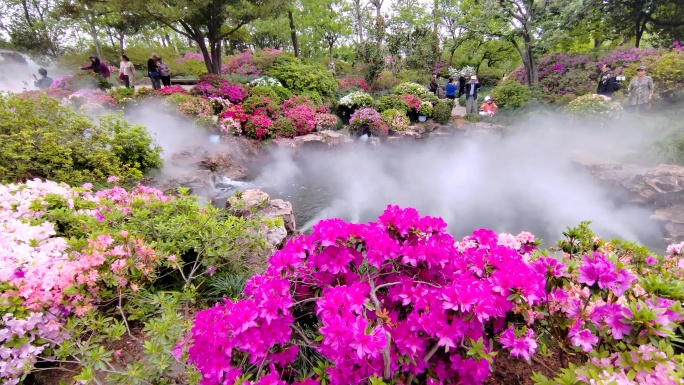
(607, 84)
(640, 91)
(153, 71)
(44, 82)
(471, 95)
(127, 69)
(451, 89)
(164, 73)
(461, 86)
(433, 84)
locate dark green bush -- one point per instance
(392, 102)
(313, 96)
(442, 111)
(511, 94)
(300, 78)
(282, 92)
(42, 139)
(265, 91)
(284, 127)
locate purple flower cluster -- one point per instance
(389, 298)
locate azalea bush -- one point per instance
(216, 86)
(284, 127)
(43, 139)
(395, 120)
(259, 127)
(327, 122)
(81, 80)
(425, 109)
(265, 81)
(242, 64)
(356, 99)
(409, 88)
(300, 78)
(262, 105)
(412, 101)
(85, 96)
(394, 299)
(594, 106)
(78, 266)
(166, 91)
(303, 117)
(511, 94)
(189, 106)
(441, 112)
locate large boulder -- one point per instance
(257, 204)
(225, 165)
(323, 139)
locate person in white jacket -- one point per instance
(127, 69)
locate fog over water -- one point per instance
(524, 180)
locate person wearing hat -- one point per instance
(640, 91)
(471, 95)
(488, 108)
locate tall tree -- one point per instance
(636, 17)
(330, 21)
(293, 33)
(207, 22)
(31, 27)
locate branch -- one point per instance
(232, 31)
(301, 334)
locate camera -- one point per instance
(620, 78)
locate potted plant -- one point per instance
(425, 111)
(350, 103)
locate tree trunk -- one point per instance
(293, 34)
(451, 56)
(640, 29)
(93, 34)
(121, 42)
(111, 37)
(202, 47)
(435, 22)
(330, 50)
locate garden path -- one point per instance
(458, 111)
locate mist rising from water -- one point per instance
(524, 180)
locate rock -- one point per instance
(224, 165)
(189, 156)
(673, 232)
(256, 203)
(198, 181)
(401, 136)
(674, 213)
(323, 139)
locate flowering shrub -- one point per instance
(326, 122)
(190, 106)
(259, 127)
(81, 80)
(242, 64)
(166, 91)
(261, 105)
(216, 86)
(284, 127)
(466, 72)
(218, 104)
(593, 106)
(265, 81)
(84, 96)
(303, 117)
(234, 112)
(409, 88)
(363, 117)
(425, 109)
(230, 126)
(353, 81)
(395, 120)
(298, 101)
(356, 99)
(412, 101)
(386, 299)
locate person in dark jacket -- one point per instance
(44, 82)
(471, 95)
(153, 71)
(451, 89)
(607, 84)
(95, 65)
(461, 86)
(433, 84)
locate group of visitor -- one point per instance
(640, 88)
(470, 89)
(158, 71)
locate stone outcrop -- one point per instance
(660, 188)
(257, 204)
(323, 139)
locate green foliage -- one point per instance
(386, 81)
(313, 96)
(429, 97)
(41, 139)
(122, 95)
(239, 78)
(668, 74)
(373, 61)
(412, 76)
(489, 77)
(284, 127)
(396, 120)
(511, 94)
(392, 102)
(300, 78)
(441, 112)
(593, 106)
(410, 88)
(265, 91)
(473, 118)
(425, 109)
